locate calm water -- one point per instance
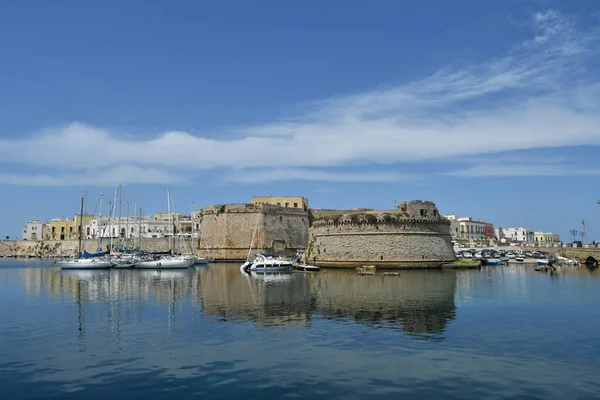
(214, 332)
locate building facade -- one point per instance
(471, 230)
(546, 238)
(520, 235)
(489, 230)
(34, 230)
(454, 227)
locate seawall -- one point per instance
(67, 247)
(580, 253)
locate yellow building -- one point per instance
(64, 229)
(546, 238)
(292, 202)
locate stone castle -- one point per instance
(412, 236)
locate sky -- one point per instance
(489, 108)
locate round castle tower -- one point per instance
(412, 236)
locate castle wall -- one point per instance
(414, 236)
(226, 230)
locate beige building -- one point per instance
(546, 238)
(471, 230)
(291, 202)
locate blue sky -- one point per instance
(489, 108)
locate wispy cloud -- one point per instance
(540, 95)
(109, 177)
(299, 174)
(524, 169)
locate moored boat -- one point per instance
(84, 263)
(173, 262)
(267, 263)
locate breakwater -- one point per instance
(581, 253)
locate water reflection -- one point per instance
(419, 302)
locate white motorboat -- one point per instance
(267, 263)
(84, 263)
(172, 262)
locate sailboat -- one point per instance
(167, 262)
(79, 262)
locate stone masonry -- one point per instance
(412, 236)
(226, 230)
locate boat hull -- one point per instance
(164, 264)
(83, 264)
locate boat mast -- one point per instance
(140, 231)
(119, 240)
(127, 226)
(253, 234)
(193, 249)
(169, 216)
(80, 226)
(100, 218)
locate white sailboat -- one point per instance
(171, 261)
(77, 262)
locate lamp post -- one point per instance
(573, 232)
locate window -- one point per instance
(295, 205)
(422, 212)
(287, 204)
(435, 213)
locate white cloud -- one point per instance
(109, 177)
(540, 95)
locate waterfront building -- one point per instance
(34, 230)
(61, 229)
(546, 238)
(489, 230)
(520, 235)
(454, 227)
(499, 233)
(290, 202)
(471, 229)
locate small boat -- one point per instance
(591, 262)
(199, 261)
(267, 263)
(306, 268)
(491, 261)
(84, 263)
(519, 258)
(542, 263)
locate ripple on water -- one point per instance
(220, 334)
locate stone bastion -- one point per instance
(412, 236)
(226, 231)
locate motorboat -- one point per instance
(84, 263)
(267, 263)
(542, 262)
(519, 258)
(172, 262)
(199, 261)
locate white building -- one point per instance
(454, 227)
(520, 235)
(132, 227)
(471, 230)
(499, 234)
(34, 230)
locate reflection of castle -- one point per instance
(273, 299)
(420, 301)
